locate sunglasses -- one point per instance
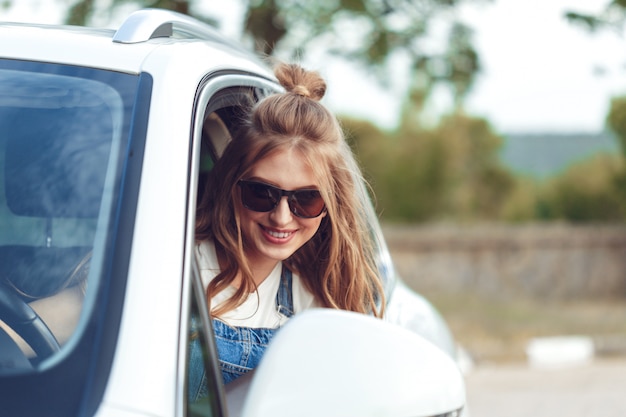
(261, 197)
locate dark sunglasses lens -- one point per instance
(307, 203)
(261, 197)
(258, 197)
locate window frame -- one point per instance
(216, 91)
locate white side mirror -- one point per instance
(336, 363)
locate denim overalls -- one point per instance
(239, 348)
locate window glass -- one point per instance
(204, 387)
(221, 111)
(60, 128)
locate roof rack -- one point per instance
(147, 24)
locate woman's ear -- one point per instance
(324, 221)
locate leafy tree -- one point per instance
(406, 171)
(585, 192)
(612, 17)
(616, 120)
(451, 171)
(369, 32)
(524, 203)
(479, 184)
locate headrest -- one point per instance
(39, 272)
(56, 160)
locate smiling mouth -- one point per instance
(278, 235)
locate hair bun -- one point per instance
(301, 90)
(299, 81)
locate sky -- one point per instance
(539, 73)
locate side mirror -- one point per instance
(336, 363)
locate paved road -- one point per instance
(596, 389)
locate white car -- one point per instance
(105, 137)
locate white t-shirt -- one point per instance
(259, 309)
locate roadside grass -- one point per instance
(498, 330)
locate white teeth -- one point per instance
(279, 235)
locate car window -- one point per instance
(64, 135)
(220, 122)
(220, 110)
(204, 391)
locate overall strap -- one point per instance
(284, 297)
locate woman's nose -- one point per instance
(281, 214)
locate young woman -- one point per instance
(281, 227)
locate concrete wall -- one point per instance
(538, 261)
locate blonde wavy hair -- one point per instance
(338, 264)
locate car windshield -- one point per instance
(64, 139)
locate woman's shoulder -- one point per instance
(205, 254)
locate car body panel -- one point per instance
(158, 253)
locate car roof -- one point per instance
(127, 48)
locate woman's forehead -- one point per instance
(288, 168)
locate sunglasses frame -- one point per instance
(292, 200)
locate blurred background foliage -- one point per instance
(419, 173)
(454, 171)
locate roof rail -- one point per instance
(147, 24)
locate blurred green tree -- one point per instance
(450, 171)
(406, 171)
(612, 17)
(478, 183)
(616, 120)
(585, 192)
(370, 33)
